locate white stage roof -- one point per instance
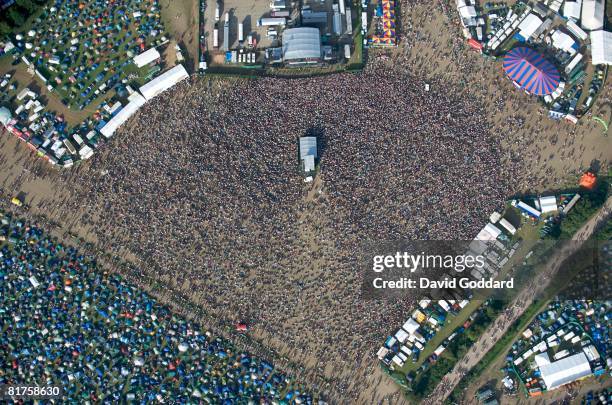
(548, 204)
(308, 146)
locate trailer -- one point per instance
(507, 225)
(571, 204)
(215, 38)
(240, 33)
(280, 13)
(271, 21)
(528, 210)
(226, 32)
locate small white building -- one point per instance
(411, 326)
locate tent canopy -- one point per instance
(301, 43)
(531, 71)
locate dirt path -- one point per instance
(514, 311)
(181, 20)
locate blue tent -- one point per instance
(530, 70)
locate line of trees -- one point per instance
(16, 15)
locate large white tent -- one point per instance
(136, 101)
(565, 371)
(146, 57)
(163, 82)
(571, 9)
(529, 26)
(601, 47)
(592, 14)
(301, 44)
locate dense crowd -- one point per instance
(67, 323)
(207, 191)
(202, 192)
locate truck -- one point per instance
(271, 21)
(216, 38)
(280, 13)
(217, 12)
(240, 33)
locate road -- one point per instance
(516, 309)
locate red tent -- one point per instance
(241, 327)
(588, 180)
(475, 44)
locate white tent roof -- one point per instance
(136, 101)
(576, 30)
(467, 11)
(563, 41)
(592, 14)
(529, 25)
(601, 47)
(565, 370)
(548, 204)
(301, 43)
(5, 115)
(493, 230)
(308, 146)
(411, 326)
(571, 9)
(163, 82)
(146, 57)
(309, 163)
(401, 335)
(542, 359)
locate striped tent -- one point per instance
(531, 71)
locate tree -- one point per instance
(14, 14)
(5, 29)
(27, 5)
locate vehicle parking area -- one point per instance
(240, 11)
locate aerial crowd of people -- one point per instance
(202, 192)
(208, 193)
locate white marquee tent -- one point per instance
(136, 101)
(146, 57)
(601, 47)
(163, 82)
(565, 370)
